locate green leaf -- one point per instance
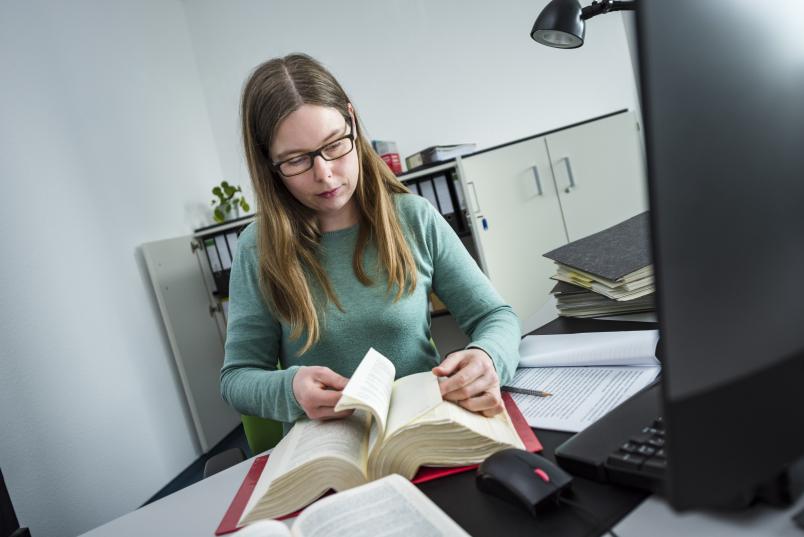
(225, 184)
(218, 215)
(244, 205)
(217, 191)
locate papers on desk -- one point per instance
(587, 374)
(581, 395)
(634, 347)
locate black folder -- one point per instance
(612, 253)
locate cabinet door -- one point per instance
(600, 173)
(516, 218)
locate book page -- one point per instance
(632, 347)
(370, 387)
(388, 507)
(308, 441)
(581, 395)
(497, 428)
(411, 397)
(265, 528)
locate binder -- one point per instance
(612, 254)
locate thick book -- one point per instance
(398, 427)
(391, 506)
(616, 254)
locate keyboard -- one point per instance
(626, 446)
(640, 460)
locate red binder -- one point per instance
(426, 473)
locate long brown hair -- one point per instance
(288, 236)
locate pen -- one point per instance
(526, 391)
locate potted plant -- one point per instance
(228, 202)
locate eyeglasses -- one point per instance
(331, 151)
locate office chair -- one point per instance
(9, 525)
(261, 433)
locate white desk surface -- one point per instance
(194, 511)
(656, 518)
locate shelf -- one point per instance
(215, 229)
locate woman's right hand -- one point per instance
(318, 389)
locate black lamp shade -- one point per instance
(560, 25)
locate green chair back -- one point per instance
(261, 433)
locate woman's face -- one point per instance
(328, 186)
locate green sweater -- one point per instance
(256, 341)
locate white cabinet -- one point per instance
(531, 196)
(599, 173)
(516, 217)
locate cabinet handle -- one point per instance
(476, 203)
(538, 180)
(569, 174)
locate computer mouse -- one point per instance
(522, 477)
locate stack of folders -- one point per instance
(607, 273)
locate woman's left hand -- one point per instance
(472, 381)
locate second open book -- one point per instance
(397, 427)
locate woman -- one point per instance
(342, 258)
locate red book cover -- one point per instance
(426, 473)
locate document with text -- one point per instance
(580, 395)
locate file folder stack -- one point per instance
(606, 273)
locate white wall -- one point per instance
(419, 72)
(104, 144)
(116, 120)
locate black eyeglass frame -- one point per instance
(316, 153)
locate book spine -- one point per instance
(393, 162)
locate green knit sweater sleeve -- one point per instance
(251, 380)
(482, 314)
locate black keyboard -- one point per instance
(641, 455)
(626, 446)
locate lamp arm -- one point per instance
(606, 6)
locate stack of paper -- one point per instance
(575, 301)
(606, 273)
(587, 374)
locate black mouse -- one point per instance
(522, 477)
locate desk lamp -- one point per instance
(562, 23)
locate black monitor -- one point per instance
(723, 104)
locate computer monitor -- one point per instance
(723, 104)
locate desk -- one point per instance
(196, 510)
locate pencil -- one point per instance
(526, 391)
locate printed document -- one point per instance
(633, 347)
(580, 395)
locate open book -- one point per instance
(391, 506)
(397, 427)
